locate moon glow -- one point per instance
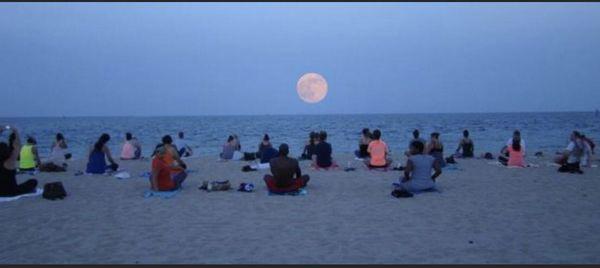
(312, 87)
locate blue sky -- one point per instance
(225, 58)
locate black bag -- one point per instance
(54, 190)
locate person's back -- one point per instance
(96, 162)
(377, 149)
(128, 150)
(267, 154)
(163, 174)
(467, 148)
(422, 165)
(27, 157)
(228, 150)
(323, 153)
(283, 170)
(515, 157)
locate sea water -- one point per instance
(547, 132)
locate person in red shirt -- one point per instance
(163, 178)
(378, 151)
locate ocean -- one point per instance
(547, 132)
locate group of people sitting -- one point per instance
(423, 165)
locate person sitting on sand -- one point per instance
(29, 158)
(183, 148)
(586, 160)
(264, 145)
(309, 148)
(97, 156)
(363, 144)
(267, 152)
(58, 155)
(435, 148)
(228, 149)
(415, 134)
(166, 173)
(571, 158)
(466, 145)
(322, 157)
(419, 166)
(516, 156)
(287, 176)
(131, 149)
(378, 151)
(517, 135)
(8, 168)
(59, 148)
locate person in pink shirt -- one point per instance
(378, 151)
(516, 154)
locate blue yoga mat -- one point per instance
(162, 194)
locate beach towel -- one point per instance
(332, 167)
(294, 193)
(162, 194)
(430, 190)
(38, 191)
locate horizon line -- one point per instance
(292, 114)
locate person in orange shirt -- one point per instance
(379, 152)
(163, 177)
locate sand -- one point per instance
(484, 214)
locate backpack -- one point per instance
(54, 190)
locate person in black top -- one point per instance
(322, 156)
(309, 148)
(466, 144)
(363, 144)
(8, 167)
(287, 176)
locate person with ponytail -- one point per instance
(97, 156)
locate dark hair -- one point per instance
(156, 149)
(516, 144)
(577, 134)
(166, 139)
(416, 133)
(435, 135)
(466, 133)
(5, 152)
(365, 131)
(418, 145)
(180, 135)
(31, 140)
(59, 137)
(230, 138)
(313, 136)
(376, 134)
(517, 133)
(323, 135)
(128, 136)
(266, 137)
(104, 138)
(284, 149)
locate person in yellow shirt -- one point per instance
(29, 158)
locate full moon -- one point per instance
(312, 87)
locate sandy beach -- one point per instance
(484, 214)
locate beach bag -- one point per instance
(54, 190)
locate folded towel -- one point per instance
(122, 175)
(38, 191)
(163, 194)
